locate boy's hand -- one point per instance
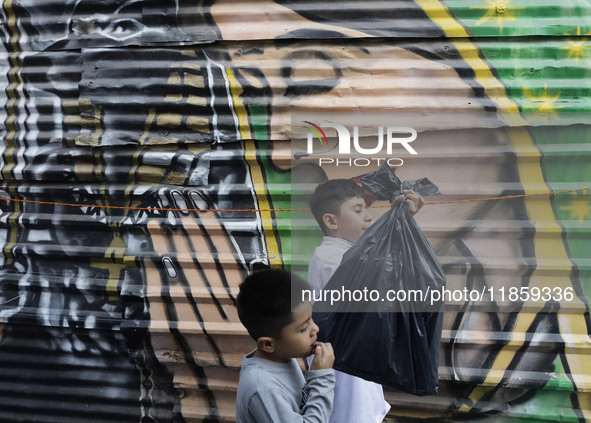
(414, 200)
(323, 356)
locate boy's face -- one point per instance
(298, 338)
(353, 221)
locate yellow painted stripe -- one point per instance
(532, 178)
(255, 172)
(540, 209)
(15, 78)
(13, 228)
(506, 355)
(572, 326)
(12, 24)
(239, 105)
(508, 110)
(584, 401)
(98, 127)
(147, 125)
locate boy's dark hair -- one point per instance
(330, 196)
(265, 301)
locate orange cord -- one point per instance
(277, 210)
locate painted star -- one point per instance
(579, 209)
(577, 48)
(543, 104)
(499, 11)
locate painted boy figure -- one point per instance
(339, 208)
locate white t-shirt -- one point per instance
(355, 400)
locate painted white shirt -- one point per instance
(355, 400)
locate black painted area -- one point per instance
(63, 375)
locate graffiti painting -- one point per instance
(153, 144)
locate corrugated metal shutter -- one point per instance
(115, 310)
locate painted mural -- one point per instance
(152, 143)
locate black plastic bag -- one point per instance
(394, 343)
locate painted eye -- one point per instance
(310, 72)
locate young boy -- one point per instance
(339, 208)
(272, 388)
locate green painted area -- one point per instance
(279, 198)
(297, 240)
(551, 404)
(558, 379)
(551, 82)
(551, 87)
(258, 119)
(280, 194)
(548, 76)
(570, 170)
(486, 18)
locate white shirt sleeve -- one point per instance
(321, 270)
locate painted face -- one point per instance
(298, 338)
(341, 76)
(337, 73)
(311, 78)
(354, 219)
